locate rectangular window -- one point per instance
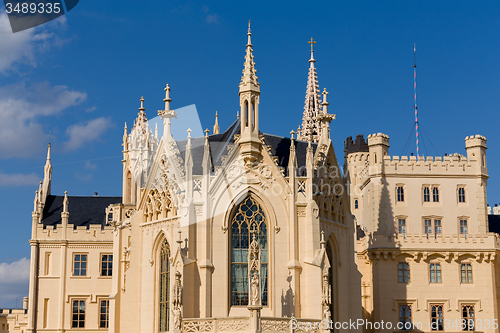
(80, 265)
(401, 194)
(463, 226)
(402, 226)
(461, 194)
(427, 195)
(106, 265)
(435, 194)
(437, 317)
(468, 317)
(78, 314)
(405, 316)
(428, 226)
(403, 272)
(466, 273)
(437, 227)
(104, 313)
(432, 226)
(435, 272)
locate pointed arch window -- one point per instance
(249, 215)
(164, 288)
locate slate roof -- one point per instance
(280, 147)
(83, 211)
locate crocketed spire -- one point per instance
(312, 107)
(249, 78)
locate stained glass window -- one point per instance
(248, 216)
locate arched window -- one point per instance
(164, 288)
(248, 216)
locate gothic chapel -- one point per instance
(235, 231)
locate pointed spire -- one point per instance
(310, 125)
(216, 126)
(47, 177)
(249, 78)
(156, 131)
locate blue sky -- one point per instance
(77, 80)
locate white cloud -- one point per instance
(17, 179)
(21, 134)
(14, 282)
(213, 18)
(79, 134)
(21, 47)
(15, 272)
(89, 165)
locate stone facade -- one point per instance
(425, 241)
(171, 253)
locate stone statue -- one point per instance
(255, 289)
(177, 318)
(177, 302)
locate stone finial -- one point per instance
(322, 241)
(216, 126)
(179, 241)
(292, 132)
(206, 132)
(189, 133)
(65, 202)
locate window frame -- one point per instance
(459, 195)
(410, 306)
(435, 193)
(400, 197)
(399, 225)
(466, 226)
(436, 318)
(107, 269)
(79, 300)
(99, 320)
(404, 270)
(435, 270)
(467, 281)
(468, 318)
(433, 226)
(426, 195)
(73, 268)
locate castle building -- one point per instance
(424, 248)
(235, 231)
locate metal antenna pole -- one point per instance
(415, 95)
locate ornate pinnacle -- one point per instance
(292, 132)
(312, 105)
(189, 133)
(206, 132)
(167, 99)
